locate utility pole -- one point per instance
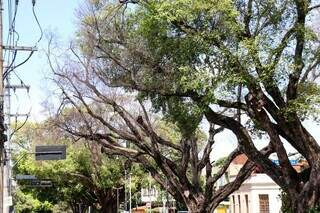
(2, 128)
(5, 108)
(5, 101)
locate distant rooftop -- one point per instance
(298, 165)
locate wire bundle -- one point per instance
(10, 55)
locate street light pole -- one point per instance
(125, 190)
(167, 197)
(150, 201)
(118, 200)
(130, 207)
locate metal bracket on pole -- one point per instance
(19, 115)
(14, 87)
(20, 48)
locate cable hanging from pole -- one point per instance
(11, 40)
(36, 18)
(20, 64)
(11, 67)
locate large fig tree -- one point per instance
(249, 66)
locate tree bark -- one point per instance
(109, 207)
(309, 196)
(108, 200)
(196, 207)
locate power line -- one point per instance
(36, 18)
(14, 67)
(11, 50)
(12, 30)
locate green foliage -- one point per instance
(220, 162)
(26, 203)
(179, 35)
(201, 46)
(314, 210)
(181, 112)
(286, 205)
(73, 179)
(307, 104)
(205, 50)
(83, 177)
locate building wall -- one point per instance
(274, 200)
(256, 185)
(149, 195)
(221, 209)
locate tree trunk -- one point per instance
(194, 208)
(304, 204)
(107, 199)
(109, 207)
(198, 205)
(309, 196)
(78, 208)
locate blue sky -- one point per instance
(58, 16)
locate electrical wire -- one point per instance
(21, 81)
(13, 25)
(11, 65)
(20, 64)
(12, 21)
(10, 40)
(17, 128)
(10, 68)
(9, 34)
(36, 18)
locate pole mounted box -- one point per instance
(51, 152)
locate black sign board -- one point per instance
(40, 183)
(51, 152)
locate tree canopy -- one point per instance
(249, 66)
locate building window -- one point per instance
(247, 203)
(239, 201)
(146, 192)
(264, 203)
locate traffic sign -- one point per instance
(51, 152)
(40, 183)
(25, 177)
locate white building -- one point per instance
(149, 195)
(258, 194)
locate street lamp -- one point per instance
(127, 166)
(118, 203)
(130, 205)
(150, 191)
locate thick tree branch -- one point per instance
(301, 7)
